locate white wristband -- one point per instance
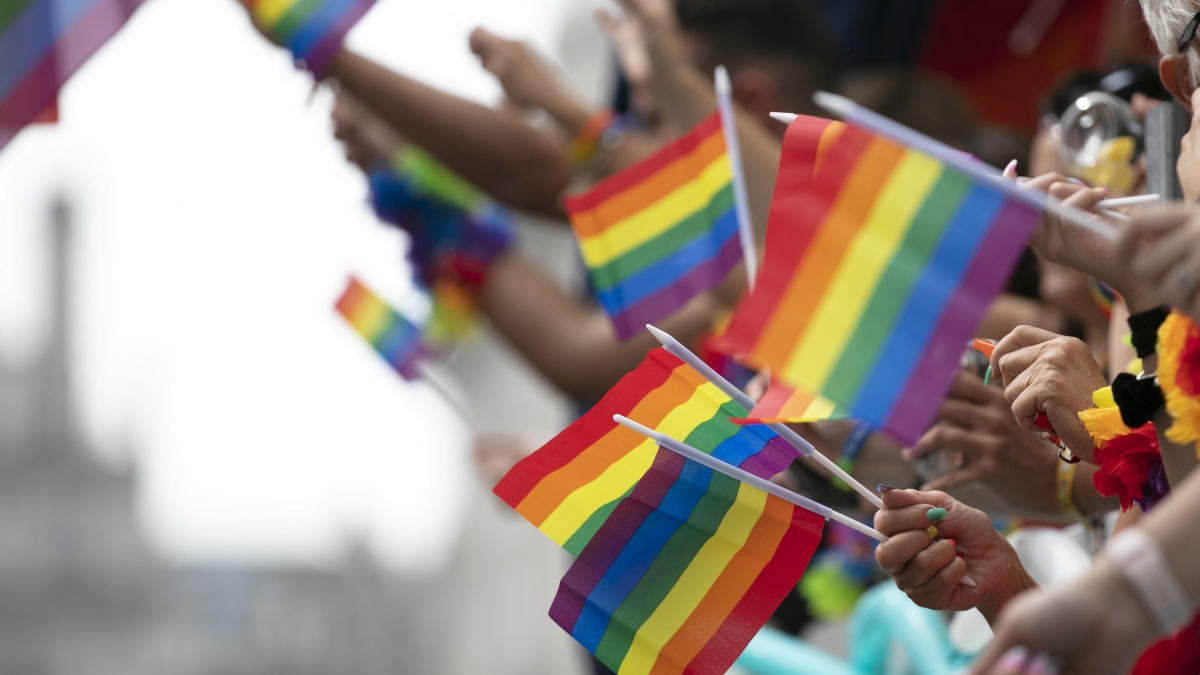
(1139, 560)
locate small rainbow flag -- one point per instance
(312, 29)
(658, 233)
(786, 404)
(885, 262)
(396, 340)
(42, 44)
(571, 485)
(685, 572)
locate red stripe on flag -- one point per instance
(777, 579)
(615, 185)
(654, 371)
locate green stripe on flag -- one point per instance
(665, 244)
(667, 568)
(10, 10)
(897, 281)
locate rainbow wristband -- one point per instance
(312, 31)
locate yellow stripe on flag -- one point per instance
(618, 478)
(701, 573)
(269, 12)
(858, 275)
(641, 227)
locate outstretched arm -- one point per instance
(505, 157)
(571, 343)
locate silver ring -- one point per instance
(1186, 280)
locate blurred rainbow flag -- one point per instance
(885, 262)
(42, 44)
(658, 233)
(789, 405)
(685, 572)
(312, 29)
(397, 340)
(570, 485)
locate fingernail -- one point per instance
(1077, 181)
(932, 532)
(987, 377)
(1102, 190)
(1013, 659)
(967, 581)
(953, 541)
(881, 488)
(934, 515)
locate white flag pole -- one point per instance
(733, 150)
(684, 354)
(732, 471)
(858, 115)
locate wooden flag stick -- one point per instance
(733, 151)
(675, 348)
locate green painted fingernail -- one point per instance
(987, 377)
(934, 515)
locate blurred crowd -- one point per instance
(1082, 415)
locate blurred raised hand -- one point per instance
(1163, 247)
(368, 141)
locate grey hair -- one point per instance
(1167, 19)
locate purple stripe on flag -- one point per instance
(321, 56)
(37, 90)
(608, 542)
(918, 405)
(775, 456)
(669, 300)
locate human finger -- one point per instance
(914, 517)
(1044, 181)
(1016, 363)
(926, 564)
(942, 436)
(895, 553)
(1154, 260)
(941, 587)
(972, 473)
(1019, 338)
(970, 387)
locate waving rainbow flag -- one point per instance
(685, 571)
(658, 233)
(570, 486)
(312, 29)
(885, 262)
(789, 405)
(396, 339)
(42, 44)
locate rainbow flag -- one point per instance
(312, 30)
(43, 43)
(571, 485)
(658, 233)
(886, 261)
(684, 572)
(396, 340)
(789, 405)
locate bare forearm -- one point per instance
(506, 158)
(571, 343)
(1176, 528)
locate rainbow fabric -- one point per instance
(396, 340)
(312, 30)
(43, 43)
(658, 233)
(886, 262)
(684, 572)
(570, 486)
(782, 403)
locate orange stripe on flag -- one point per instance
(730, 587)
(550, 492)
(644, 194)
(826, 252)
